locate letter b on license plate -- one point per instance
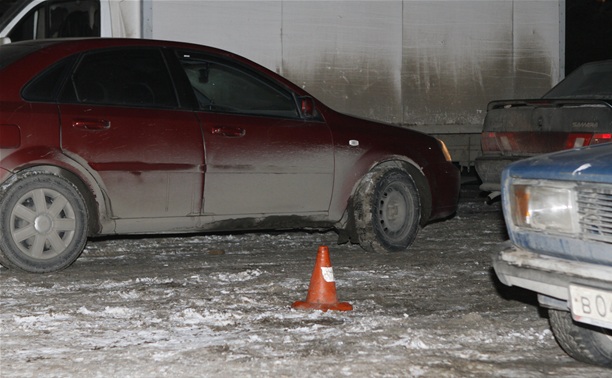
(592, 306)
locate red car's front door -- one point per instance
(261, 156)
(263, 165)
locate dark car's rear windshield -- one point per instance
(592, 80)
(14, 51)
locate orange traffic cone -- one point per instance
(322, 290)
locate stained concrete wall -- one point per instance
(433, 65)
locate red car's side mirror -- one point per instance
(307, 107)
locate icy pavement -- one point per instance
(219, 305)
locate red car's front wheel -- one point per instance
(387, 211)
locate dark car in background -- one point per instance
(558, 212)
(576, 112)
(116, 136)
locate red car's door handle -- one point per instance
(91, 124)
(233, 132)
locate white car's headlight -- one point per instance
(544, 205)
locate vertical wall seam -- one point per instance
(562, 36)
(281, 69)
(401, 76)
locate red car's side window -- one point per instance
(135, 77)
(45, 87)
(222, 88)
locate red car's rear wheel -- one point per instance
(43, 224)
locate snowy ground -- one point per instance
(220, 305)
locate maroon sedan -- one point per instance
(112, 136)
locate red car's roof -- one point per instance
(44, 52)
(80, 44)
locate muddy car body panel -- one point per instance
(558, 214)
(575, 113)
(149, 136)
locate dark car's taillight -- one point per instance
(488, 142)
(10, 136)
(501, 142)
(538, 142)
(576, 140)
(601, 138)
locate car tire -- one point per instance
(43, 224)
(387, 211)
(583, 342)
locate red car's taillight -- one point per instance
(10, 136)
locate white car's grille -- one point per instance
(595, 210)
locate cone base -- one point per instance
(338, 306)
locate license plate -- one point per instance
(591, 306)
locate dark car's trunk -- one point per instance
(530, 127)
(517, 129)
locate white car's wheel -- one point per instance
(588, 344)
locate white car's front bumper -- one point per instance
(547, 275)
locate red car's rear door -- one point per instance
(148, 161)
(120, 118)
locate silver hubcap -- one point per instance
(393, 210)
(43, 223)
